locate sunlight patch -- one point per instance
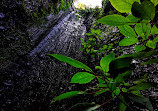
(88, 3)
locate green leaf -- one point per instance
(151, 44)
(98, 67)
(141, 86)
(128, 41)
(114, 20)
(84, 107)
(151, 61)
(139, 55)
(102, 85)
(122, 77)
(155, 2)
(133, 19)
(145, 10)
(127, 31)
(122, 104)
(117, 91)
(143, 30)
(89, 34)
(65, 95)
(105, 61)
(82, 78)
(141, 100)
(71, 61)
(119, 66)
(111, 86)
(154, 30)
(123, 6)
(101, 81)
(155, 39)
(139, 48)
(101, 91)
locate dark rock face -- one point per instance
(13, 15)
(30, 84)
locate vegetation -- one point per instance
(113, 73)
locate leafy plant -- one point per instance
(114, 76)
(141, 19)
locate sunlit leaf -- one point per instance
(114, 20)
(105, 61)
(123, 5)
(128, 41)
(133, 19)
(65, 95)
(139, 48)
(82, 78)
(71, 61)
(155, 2)
(127, 31)
(154, 30)
(145, 10)
(151, 44)
(143, 30)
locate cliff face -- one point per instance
(29, 83)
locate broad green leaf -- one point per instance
(114, 20)
(143, 30)
(151, 44)
(101, 91)
(151, 61)
(145, 10)
(128, 41)
(154, 30)
(123, 6)
(122, 77)
(141, 100)
(122, 104)
(155, 39)
(127, 31)
(105, 61)
(84, 107)
(139, 48)
(141, 86)
(71, 61)
(133, 19)
(155, 2)
(65, 95)
(82, 78)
